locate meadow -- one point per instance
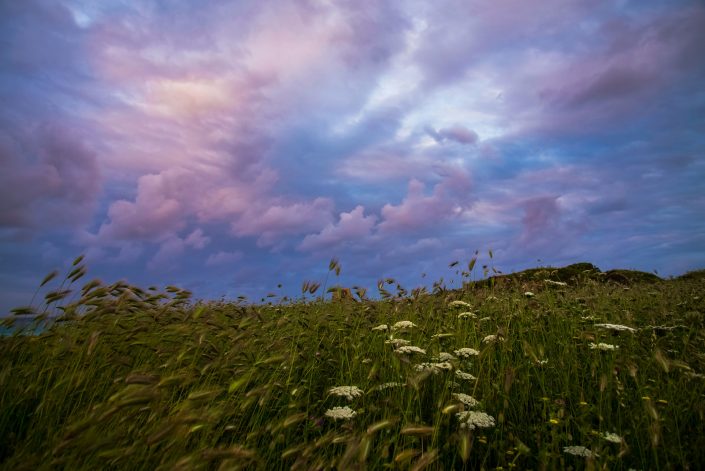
(551, 368)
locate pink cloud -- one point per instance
(223, 258)
(352, 226)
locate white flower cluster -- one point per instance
(434, 368)
(529, 294)
(492, 338)
(466, 352)
(444, 356)
(402, 325)
(384, 386)
(472, 419)
(467, 315)
(349, 392)
(465, 376)
(459, 304)
(466, 399)
(382, 327)
(612, 437)
(603, 346)
(617, 327)
(338, 413)
(578, 450)
(556, 283)
(408, 349)
(396, 343)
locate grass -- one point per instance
(138, 379)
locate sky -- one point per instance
(229, 147)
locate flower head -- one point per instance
(459, 304)
(396, 343)
(466, 399)
(349, 392)
(492, 338)
(444, 356)
(472, 419)
(529, 294)
(579, 450)
(338, 413)
(465, 376)
(603, 346)
(466, 352)
(617, 327)
(434, 368)
(381, 327)
(467, 315)
(408, 349)
(612, 437)
(402, 325)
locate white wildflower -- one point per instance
(465, 376)
(349, 392)
(459, 304)
(472, 419)
(401, 325)
(384, 386)
(612, 437)
(444, 356)
(492, 338)
(396, 343)
(603, 346)
(466, 399)
(434, 368)
(381, 327)
(578, 450)
(408, 349)
(484, 319)
(616, 327)
(556, 283)
(529, 294)
(466, 352)
(541, 362)
(467, 315)
(366, 361)
(344, 413)
(491, 298)
(441, 336)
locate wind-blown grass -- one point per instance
(136, 379)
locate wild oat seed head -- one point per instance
(408, 349)
(579, 450)
(403, 325)
(472, 419)
(338, 413)
(612, 437)
(616, 327)
(603, 346)
(382, 327)
(459, 304)
(466, 352)
(466, 399)
(465, 376)
(349, 392)
(467, 315)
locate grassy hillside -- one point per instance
(544, 369)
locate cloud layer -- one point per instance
(234, 145)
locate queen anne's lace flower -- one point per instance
(467, 315)
(612, 437)
(465, 376)
(529, 294)
(466, 352)
(459, 304)
(396, 343)
(603, 346)
(444, 356)
(341, 413)
(401, 325)
(434, 368)
(579, 450)
(472, 419)
(466, 399)
(384, 386)
(381, 327)
(492, 338)
(616, 327)
(349, 392)
(556, 283)
(408, 349)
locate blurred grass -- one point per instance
(128, 378)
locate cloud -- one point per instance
(50, 178)
(459, 134)
(223, 258)
(351, 226)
